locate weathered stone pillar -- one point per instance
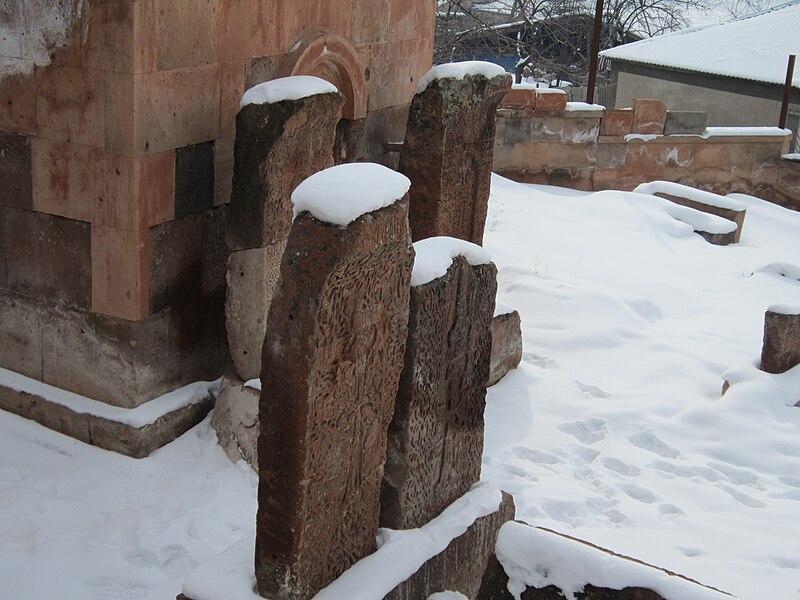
(449, 149)
(331, 365)
(781, 349)
(436, 435)
(284, 133)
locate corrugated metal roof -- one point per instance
(756, 48)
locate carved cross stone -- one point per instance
(448, 154)
(331, 365)
(436, 435)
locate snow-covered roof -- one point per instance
(756, 48)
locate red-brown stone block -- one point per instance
(617, 122)
(520, 98)
(187, 32)
(649, 116)
(70, 105)
(119, 272)
(506, 345)
(436, 435)
(781, 349)
(331, 365)
(550, 100)
(448, 154)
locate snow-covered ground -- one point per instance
(612, 430)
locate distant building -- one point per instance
(734, 71)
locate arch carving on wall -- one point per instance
(333, 58)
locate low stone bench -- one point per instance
(706, 202)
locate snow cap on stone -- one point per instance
(286, 88)
(434, 256)
(448, 595)
(343, 193)
(459, 70)
(785, 309)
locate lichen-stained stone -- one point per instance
(331, 365)
(252, 277)
(436, 435)
(781, 349)
(448, 154)
(236, 420)
(277, 146)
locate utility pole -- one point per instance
(598, 28)
(787, 92)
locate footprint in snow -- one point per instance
(535, 456)
(622, 468)
(669, 512)
(647, 440)
(694, 473)
(543, 362)
(591, 390)
(743, 498)
(639, 493)
(736, 475)
(689, 551)
(586, 432)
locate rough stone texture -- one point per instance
(649, 116)
(436, 434)
(236, 421)
(616, 122)
(685, 122)
(718, 239)
(15, 171)
(448, 154)
(194, 179)
(737, 216)
(506, 345)
(252, 277)
(277, 146)
(459, 568)
(495, 587)
(109, 435)
(331, 365)
(781, 349)
(39, 249)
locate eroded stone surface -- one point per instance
(781, 349)
(436, 435)
(448, 154)
(331, 366)
(236, 420)
(506, 345)
(252, 277)
(277, 146)
(461, 567)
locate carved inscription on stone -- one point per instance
(331, 365)
(448, 154)
(436, 435)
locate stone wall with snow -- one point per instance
(586, 147)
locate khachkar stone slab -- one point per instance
(781, 349)
(449, 149)
(436, 435)
(331, 365)
(462, 565)
(285, 132)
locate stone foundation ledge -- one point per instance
(135, 432)
(534, 563)
(450, 553)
